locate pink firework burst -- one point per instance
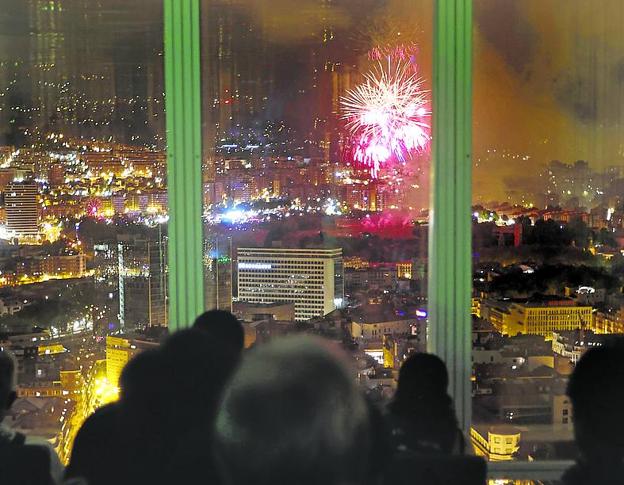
(401, 52)
(387, 116)
(93, 207)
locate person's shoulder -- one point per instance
(56, 467)
(106, 411)
(102, 419)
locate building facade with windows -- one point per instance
(22, 212)
(312, 279)
(495, 443)
(539, 317)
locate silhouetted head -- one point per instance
(422, 375)
(292, 414)
(596, 389)
(142, 378)
(198, 367)
(222, 325)
(7, 382)
(424, 412)
(169, 398)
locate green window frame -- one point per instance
(450, 238)
(184, 160)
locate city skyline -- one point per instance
(315, 196)
(558, 108)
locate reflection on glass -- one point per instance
(316, 131)
(548, 212)
(83, 239)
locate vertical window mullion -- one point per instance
(450, 268)
(184, 180)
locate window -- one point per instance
(83, 265)
(547, 207)
(271, 165)
(292, 190)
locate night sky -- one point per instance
(548, 74)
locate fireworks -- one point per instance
(93, 207)
(387, 116)
(402, 52)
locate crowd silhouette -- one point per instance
(199, 410)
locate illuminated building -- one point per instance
(240, 186)
(56, 174)
(118, 352)
(28, 268)
(312, 279)
(141, 271)
(214, 193)
(141, 162)
(258, 311)
(66, 265)
(373, 322)
(103, 164)
(609, 322)
(572, 344)
(10, 306)
(22, 212)
(539, 317)
(119, 203)
(377, 275)
(495, 443)
(73, 383)
(562, 410)
(7, 175)
(218, 273)
(6, 153)
(475, 307)
(404, 270)
(355, 262)
(40, 389)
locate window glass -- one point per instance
(83, 257)
(548, 211)
(315, 189)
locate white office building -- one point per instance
(22, 210)
(312, 279)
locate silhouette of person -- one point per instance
(159, 429)
(292, 415)
(114, 433)
(199, 366)
(23, 459)
(93, 446)
(224, 326)
(596, 389)
(421, 416)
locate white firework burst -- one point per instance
(387, 116)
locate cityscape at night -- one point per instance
(317, 136)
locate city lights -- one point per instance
(322, 211)
(242, 265)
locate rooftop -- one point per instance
(378, 314)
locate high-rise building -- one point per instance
(218, 273)
(312, 279)
(118, 352)
(142, 286)
(22, 212)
